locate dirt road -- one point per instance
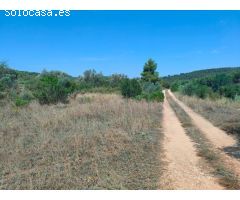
(219, 138)
(183, 170)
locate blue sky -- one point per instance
(121, 41)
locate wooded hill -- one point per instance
(209, 83)
(200, 74)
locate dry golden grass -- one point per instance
(222, 113)
(96, 141)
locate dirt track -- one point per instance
(183, 169)
(219, 138)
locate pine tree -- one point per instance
(149, 73)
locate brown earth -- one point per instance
(219, 138)
(183, 170)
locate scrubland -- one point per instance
(97, 141)
(223, 113)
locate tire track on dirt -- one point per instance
(183, 170)
(219, 138)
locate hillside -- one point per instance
(200, 74)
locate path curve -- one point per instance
(183, 171)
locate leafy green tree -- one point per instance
(131, 88)
(149, 73)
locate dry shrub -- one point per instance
(97, 141)
(222, 113)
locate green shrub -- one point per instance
(21, 102)
(236, 77)
(6, 82)
(51, 89)
(219, 81)
(157, 96)
(165, 84)
(151, 92)
(230, 91)
(2, 95)
(194, 88)
(27, 95)
(188, 89)
(131, 88)
(149, 87)
(174, 87)
(202, 91)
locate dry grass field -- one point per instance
(97, 141)
(222, 113)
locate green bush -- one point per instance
(27, 95)
(149, 87)
(202, 91)
(230, 91)
(131, 88)
(157, 96)
(166, 85)
(174, 87)
(21, 102)
(51, 89)
(188, 89)
(194, 88)
(2, 95)
(151, 92)
(6, 82)
(236, 77)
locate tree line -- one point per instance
(216, 85)
(55, 86)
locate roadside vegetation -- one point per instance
(223, 113)
(214, 93)
(213, 83)
(148, 87)
(21, 88)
